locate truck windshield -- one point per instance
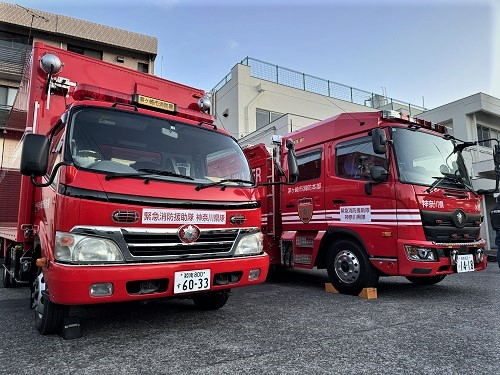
(128, 143)
(424, 158)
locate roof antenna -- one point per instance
(361, 123)
(33, 16)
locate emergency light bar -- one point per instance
(417, 122)
(85, 91)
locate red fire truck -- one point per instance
(378, 194)
(122, 196)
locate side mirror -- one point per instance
(35, 155)
(379, 141)
(496, 156)
(293, 169)
(378, 173)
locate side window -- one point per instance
(309, 164)
(354, 158)
(55, 149)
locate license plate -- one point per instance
(191, 281)
(465, 263)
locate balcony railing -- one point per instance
(13, 58)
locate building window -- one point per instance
(354, 159)
(309, 165)
(143, 67)
(7, 96)
(484, 133)
(85, 51)
(264, 117)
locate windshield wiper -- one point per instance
(146, 174)
(165, 173)
(441, 179)
(111, 175)
(458, 180)
(223, 183)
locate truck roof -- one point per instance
(352, 123)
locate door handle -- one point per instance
(290, 205)
(338, 201)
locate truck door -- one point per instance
(350, 205)
(303, 203)
(303, 213)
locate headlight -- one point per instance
(77, 248)
(250, 245)
(420, 253)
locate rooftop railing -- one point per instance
(306, 82)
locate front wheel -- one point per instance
(431, 280)
(211, 300)
(48, 315)
(349, 268)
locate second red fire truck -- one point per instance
(378, 194)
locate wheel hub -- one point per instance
(347, 266)
(37, 295)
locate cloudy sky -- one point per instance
(427, 52)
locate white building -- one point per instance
(257, 100)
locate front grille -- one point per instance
(439, 227)
(149, 244)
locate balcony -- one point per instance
(12, 59)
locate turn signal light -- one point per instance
(42, 262)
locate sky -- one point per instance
(426, 52)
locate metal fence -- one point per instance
(292, 78)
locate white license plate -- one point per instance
(191, 281)
(465, 263)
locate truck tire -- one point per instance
(349, 268)
(8, 281)
(431, 280)
(48, 315)
(211, 300)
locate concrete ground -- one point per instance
(289, 325)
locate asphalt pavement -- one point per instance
(289, 325)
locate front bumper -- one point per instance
(71, 284)
(402, 266)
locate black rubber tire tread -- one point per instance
(431, 280)
(7, 280)
(52, 317)
(368, 276)
(211, 300)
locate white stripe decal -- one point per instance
(354, 223)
